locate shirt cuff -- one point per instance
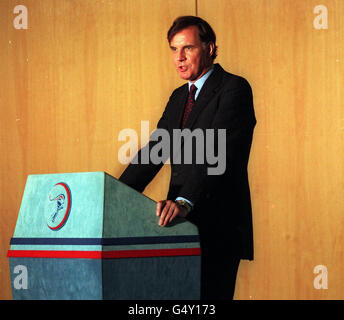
(189, 202)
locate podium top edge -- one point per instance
(74, 172)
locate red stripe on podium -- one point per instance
(150, 253)
(54, 254)
(103, 254)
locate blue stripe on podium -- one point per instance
(105, 241)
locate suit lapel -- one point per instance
(210, 87)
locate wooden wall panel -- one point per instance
(86, 69)
(296, 167)
(80, 73)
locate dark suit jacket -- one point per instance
(222, 205)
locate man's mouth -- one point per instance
(182, 68)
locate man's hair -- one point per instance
(205, 32)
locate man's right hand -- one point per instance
(167, 210)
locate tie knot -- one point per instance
(193, 90)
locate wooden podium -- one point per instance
(89, 236)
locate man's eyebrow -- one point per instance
(186, 46)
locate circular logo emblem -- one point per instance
(58, 206)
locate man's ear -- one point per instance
(211, 48)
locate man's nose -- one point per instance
(181, 55)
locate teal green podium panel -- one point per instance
(89, 236)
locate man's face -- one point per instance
(190, 57)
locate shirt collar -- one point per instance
(200, 82)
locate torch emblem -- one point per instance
(58, 206)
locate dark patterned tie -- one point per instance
(189, 105)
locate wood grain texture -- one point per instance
(86, 69)
(82, 71)
(296, 166)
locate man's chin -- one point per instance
(184, 76)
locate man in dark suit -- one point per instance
(219, 204)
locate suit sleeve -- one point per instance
(235, 114)
(139, 174)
